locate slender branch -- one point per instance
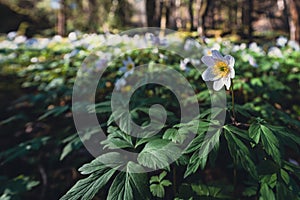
(232, 101)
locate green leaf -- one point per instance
(73, 143)
(240, 153)
(128, 185)
(158, 154)
(254, 133)
(266, 193)
(117, 139)
(88, 187)
(285, 176)
(157, 190)
(204, 144)
(176, 136)
(158, 185)
(250, 191)
(101, 169)
(210, 191)
(23, 149)
(56, 111)
(270, 143)
(108, 160)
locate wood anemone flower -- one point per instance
(219, 70)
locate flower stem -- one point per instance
(232, 101)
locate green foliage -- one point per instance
(254, 156)
(158, 184)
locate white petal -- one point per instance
(230, 60)
(208, 60)
(216, 55)
(208, 75)
(227, 82)
(232, 72)
(218, 84)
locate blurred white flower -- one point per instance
(11, 35)
(216, 46)
(8, 45)
(275, 52)
(120, 83)
(255, 48)
(72, 36)
(252, 61)
(294, 45)
(281, 41)
(206, 52)
(57, 38)
(183, 64)
(34, 60)
(219, 69)
(20, 39)
(195, 62)
(191, 44)
(156, 40)
(243, 46)
(235, 48)
(249, 58)
(128, 67)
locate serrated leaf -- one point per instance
(266, 193)
(254, 133)
(157, 190)
(270, 143)
(158, 154)
(128, 185)
(240, 153)
(285, 176)
(87, 188)
(117, 139)
(108, 160)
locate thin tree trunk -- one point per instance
(61, 19)
(294, 22)
(190, 8)
(202, 10)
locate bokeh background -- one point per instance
(246, 19)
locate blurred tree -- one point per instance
(153, 12)
(61, 18)
(293, 8)
(201, 11)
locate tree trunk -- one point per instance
(293, 8)
(190, 8)
(93, 15)
(201, 12)
(61, 19)
(247, 18)
(150, 13)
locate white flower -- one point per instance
(281, 41)
(72, 36)
(12, 35)
(183, 64)
(219, 69)
(20, 39)
(294, 45)
(156, 40)
(120, 83)
(275, 52)
(128, 67)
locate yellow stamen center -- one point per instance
(129, 66)
(221, 69)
